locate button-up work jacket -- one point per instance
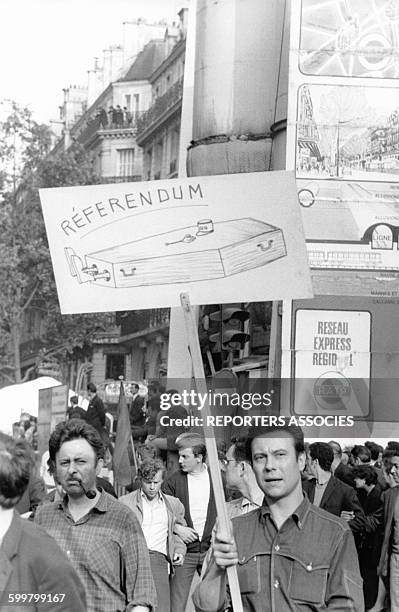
(310, 563)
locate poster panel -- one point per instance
(332, 362)
(44, 420)
(139, 245)
(52, 410)
(59, 403)
(343, 140)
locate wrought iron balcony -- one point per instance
(160, 108)
(159, 317)
(97, 125)
(139, 322)
(131, 178)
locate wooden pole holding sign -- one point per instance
(134, 454)
(211, 449)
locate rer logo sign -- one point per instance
(332, 362)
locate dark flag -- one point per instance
(121, 463)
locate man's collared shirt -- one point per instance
(310, 563)
(242, 505)
(155, 523)
(319, 491)
(108, 550)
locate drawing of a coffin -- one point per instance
(205, 251)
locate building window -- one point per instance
(148, 164)
(115, 366)
(158, 158)
(128, 102)
(136, 98)
(174, 151)
(125, 162)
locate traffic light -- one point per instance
(231, 334)
(226, 329)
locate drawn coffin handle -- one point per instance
(265, 247)
(127, 274)
(95, 274)
(84, 274)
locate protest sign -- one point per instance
(138, 245)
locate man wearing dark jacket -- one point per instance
(388, 567)
(95, 415)
(369, 548)
(33, 495)
(192, 486)
(329, 493)
(137, 415)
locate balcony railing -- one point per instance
(144, 321)
(105, 125)
(160, 107)
(131, 178)
(159, 317)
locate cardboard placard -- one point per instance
(138, 245)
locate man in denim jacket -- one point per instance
(290, 555)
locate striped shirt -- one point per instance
(108, 550)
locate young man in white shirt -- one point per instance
(192, 485)
(158, 515)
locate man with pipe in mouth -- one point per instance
(35, 574)
(101, 537)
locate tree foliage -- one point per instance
(26, 275)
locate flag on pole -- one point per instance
(121, 463)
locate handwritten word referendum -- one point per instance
(84, 216)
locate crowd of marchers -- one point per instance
(312, 527)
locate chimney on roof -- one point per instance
(136, 34)
(94, 82)
(183, 19)
(75, 100)
(172, 36)
(112, 63)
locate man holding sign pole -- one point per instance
(289, 554)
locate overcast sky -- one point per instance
(46, 45)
